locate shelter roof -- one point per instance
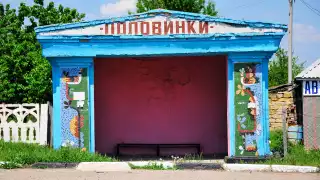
(311, 72)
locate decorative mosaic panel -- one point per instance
(74, 108)
(248, 111)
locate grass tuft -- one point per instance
(297, 155)
(152, 166)
(27, 154)
(10, 165)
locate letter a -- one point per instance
(307, 88)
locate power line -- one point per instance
(316, 11)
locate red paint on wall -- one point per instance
(161, 100)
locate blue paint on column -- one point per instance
(91, 105)
(56, 137)
(231, 118)
(265, 127)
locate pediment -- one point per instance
(159, 23)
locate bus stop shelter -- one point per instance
(162, 77)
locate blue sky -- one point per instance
(306, 31)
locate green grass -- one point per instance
(27, 154)
(297, 155)
(276, 139)
(152, 166)
(10, 165)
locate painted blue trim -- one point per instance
(231, 116)
(260, 141)
(172, 36)
(56, 134)
(161, 12)
(73, 62)
(245, 59)
(159, 48)
(91, 104)
(71, 65)
(250, 57)
(266, 130)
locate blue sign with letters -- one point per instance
(311, 88)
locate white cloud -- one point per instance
(92, 16)
(121, 7)
(305, 33)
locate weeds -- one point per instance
(297, 155)
(276, 142)
(10, 165)
(152, 166)
(27, 154)
(193, 157)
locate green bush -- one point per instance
(276, 141)
(27, 154)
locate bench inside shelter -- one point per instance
(156, 147)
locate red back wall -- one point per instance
(161, 100)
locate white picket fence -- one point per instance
(24, 123)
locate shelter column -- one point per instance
(73, 103)
(248, 113)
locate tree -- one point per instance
(195, 6)
(278, 68)
(25, 76)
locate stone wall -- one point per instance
(277, 102)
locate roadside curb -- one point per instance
(247, 167)
(184, 165)
(196, 165)
(270, 168)
(54, 165)
(300, 169)
(104, 166)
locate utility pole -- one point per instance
(290, 41)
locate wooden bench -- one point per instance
(156, 147)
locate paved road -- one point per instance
(64, 174)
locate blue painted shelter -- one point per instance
(76, 49)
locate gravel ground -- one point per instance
(71, 174)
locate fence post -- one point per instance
(50, 123)
(284, 131)
(44, 124)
